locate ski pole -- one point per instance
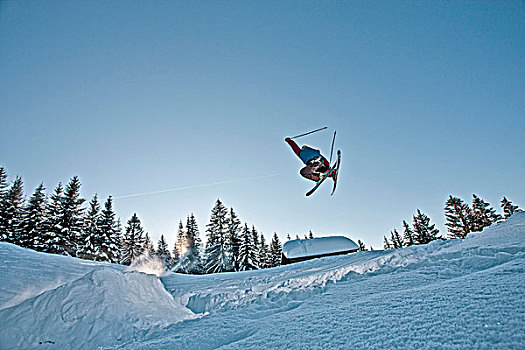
(332, 150)
(308, 133)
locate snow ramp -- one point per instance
(106, 306)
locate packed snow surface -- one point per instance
(299, 248)
(453, 294)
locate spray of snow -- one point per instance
(148, 264)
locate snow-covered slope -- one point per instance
(448, 294)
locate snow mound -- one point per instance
(104, 307)
(27, 273)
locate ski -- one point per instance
(333, 170)
(336, 172)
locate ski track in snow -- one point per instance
(451, 294)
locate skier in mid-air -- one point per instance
(315, 163)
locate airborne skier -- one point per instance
(315, 163)
(316, 168)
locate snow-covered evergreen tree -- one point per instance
(275, 251)
(234, 241)
(14, 211)
(89, 247)
(216, 258)
(424, 232)
(191, 261)
(163, 253)
(256, 247)
(247, 251)
(148, 245)
(54, 241)
(288, 238)
(264, 253)
(179, 248)
(218, 226)
(483, 215)
(33, 222)
(395, 239)
(119, 236)
(310, 235)
(133, 242)
(459, 216)
(72, 219)
(110, 233)
(386, 243)
(361, 246)
(508, 208)
(4, 187)
(408, 235)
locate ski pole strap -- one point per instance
(332, 149)
(308, 133)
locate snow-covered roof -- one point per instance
(298, 248)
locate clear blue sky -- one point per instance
(427, 97)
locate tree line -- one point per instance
(62, 224)
(461, 219)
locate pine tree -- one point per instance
(3, 204)
(234, 241)
(459, 217)
(264, 253)
(180, 246)
(297, 237)
(33, 221)
(288, 238)
(14, 211)
(163, 253)
(217, 252)
(149, 248)
(483, 215)
(217, 258)
(310, 235)
(361, 246)
(190, 262)
(89, 247)
(110, 232)
(72, 219)
(508, 208)
(256, 246)
(408, 235)
(217, 228)
(246, 251)
(54, 241)
(396, 240)
(424, 232)
(275, 251)
(133, 242)
(119, 237)
(386, 244)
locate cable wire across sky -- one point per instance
(195, 186)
